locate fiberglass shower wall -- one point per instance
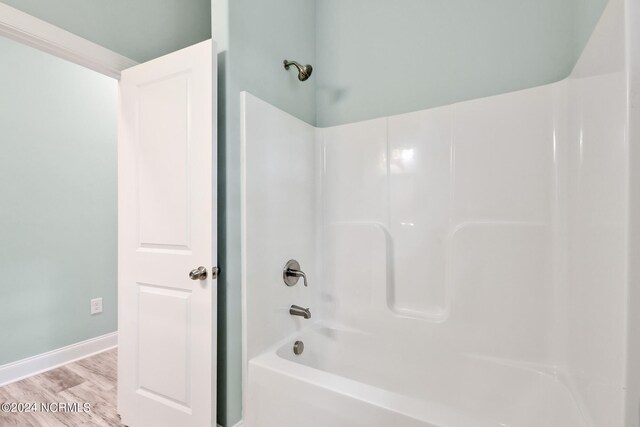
(457, 204)
(480, 228)
(501, 224)
(495, 228)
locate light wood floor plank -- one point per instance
(92, 380)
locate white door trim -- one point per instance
(27, 29)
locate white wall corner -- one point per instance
(21, 369)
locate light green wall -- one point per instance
(58, 202)
(377, 57)
(262, 34)
(139, 29)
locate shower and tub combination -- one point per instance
(467, 265)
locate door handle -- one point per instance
(199, 273)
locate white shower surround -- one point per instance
(467, 264)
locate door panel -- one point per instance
(163, 138)
(166, 228)
(163, 320)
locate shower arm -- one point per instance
(304, 71)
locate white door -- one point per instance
(166, 229)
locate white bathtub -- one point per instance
(347, 378)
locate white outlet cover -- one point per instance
(96, 305)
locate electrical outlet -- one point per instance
(96, 305)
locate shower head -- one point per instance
(304, 71)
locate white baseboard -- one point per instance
(16, 371)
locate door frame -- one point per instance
(34, 32)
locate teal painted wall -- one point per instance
(58, 191)
(377, 58)
(139, 29)
(262, 34)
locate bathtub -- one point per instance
(346, 378)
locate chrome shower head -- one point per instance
(304, 71)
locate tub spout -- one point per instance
(296, 310)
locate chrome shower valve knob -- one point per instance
(292, 273)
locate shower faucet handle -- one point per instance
(291, 273)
